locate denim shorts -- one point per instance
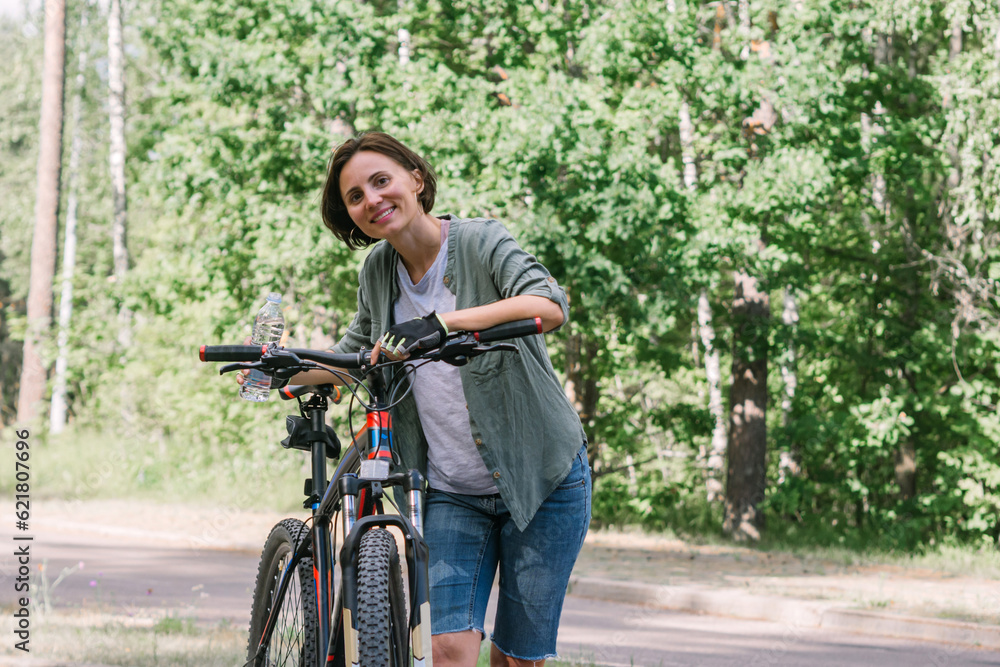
(470, 537)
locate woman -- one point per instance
(501, 446)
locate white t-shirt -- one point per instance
(453, 463)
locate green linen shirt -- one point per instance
(525, 428)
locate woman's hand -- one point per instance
(241, 376)
(419, 333)
(378, 348)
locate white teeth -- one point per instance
(384, 214)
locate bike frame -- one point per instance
(359, 499)
(359, 496)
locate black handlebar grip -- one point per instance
(510, 330)
(231, 352)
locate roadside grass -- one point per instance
(484, 659)
(91, 465)
(951, 559)
(964, 560)
(167, 642)
(102, 640)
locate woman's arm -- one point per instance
(521, 307)
(478, 318)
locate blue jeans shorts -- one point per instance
(470, 537)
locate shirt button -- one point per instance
(496, 475)
(447, 280)
(479, 442)
(551, 279)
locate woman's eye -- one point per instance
(382, 180)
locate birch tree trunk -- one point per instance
(116, 106)
(715, 458)
(954, 51)
(688, 155)
(746, 472)
(43, 243)
(403, 36)
(880, 194)
(744, 9)
(789, 464)
(57, 414)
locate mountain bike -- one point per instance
(302, 615)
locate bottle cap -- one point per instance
(274, 296)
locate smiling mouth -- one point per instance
(385, 214)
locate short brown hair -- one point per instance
(334, 211)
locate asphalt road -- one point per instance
(127, 576)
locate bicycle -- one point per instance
(299, 617)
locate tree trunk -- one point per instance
(403, 36)
(688, 154)
(714, 458)
(746, 472)
(744, 9)
(581, 385)
(720, 23)
(116, 108)
(57, 415)
(789, 464)
(880, 195)
(906, 468)
(43, 244)
(954, 51)
(116, 158)
(996, 46)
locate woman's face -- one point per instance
(380, 194)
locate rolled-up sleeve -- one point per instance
(515, 271)
(359, 331)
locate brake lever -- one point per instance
(282, 364)
(228, 368)
(503, 347)
(462, 357)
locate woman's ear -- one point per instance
(419, 178)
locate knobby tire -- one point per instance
(294, 642)
(383, 632)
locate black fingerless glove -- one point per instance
(419, 333)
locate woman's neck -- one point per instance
(418, 245)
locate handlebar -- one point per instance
(517, 329)
(457, 349)
(232, 352)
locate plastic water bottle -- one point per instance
(267, 328)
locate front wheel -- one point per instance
(383, 635)
(294, 641)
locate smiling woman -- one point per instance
(380, 158)
(500, 445)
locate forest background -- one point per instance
(777, 223)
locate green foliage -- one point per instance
(841, 151)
